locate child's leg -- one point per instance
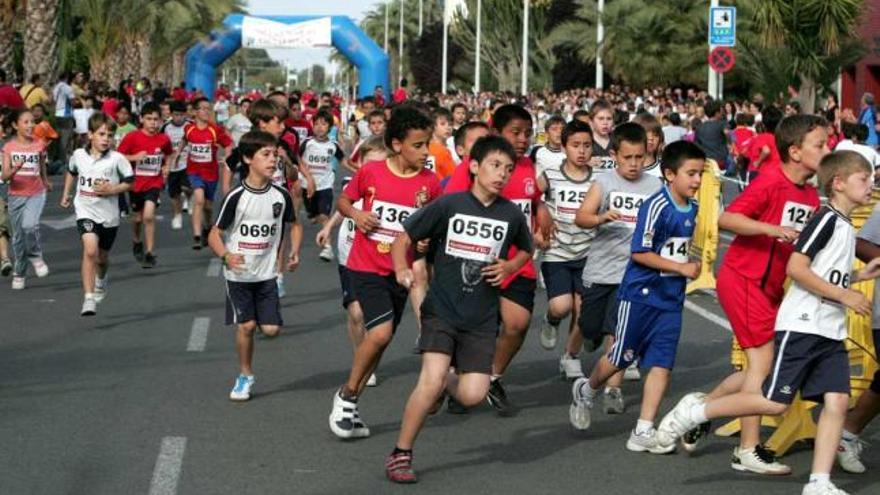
(653, 391)
(828, 431)
(469, 389)
(198, 210)
(760, 361)
(743, 404)
(616, 379)
(602, 373)
(419, 287)
(209, 214)
(30, 224)
(17, 205)
(244, 344)
(730, 385)
(356, 330)
(558, 308)
(103, 263)
(515, 320)
(867, 408)
(148, 217)
(4, 247)
(432, 381)
(367, 356)
(90, 261)
(575, 338)
(136, 221)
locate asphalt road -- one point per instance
(116, 404)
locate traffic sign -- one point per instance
(722, 26)
(721, 59)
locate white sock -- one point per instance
(849, 437)
(90, 295)
(698, 413)
(589, 391)
(495, 378)
(821, 479)
(607, 389)
(644, 426)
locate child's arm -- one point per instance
(500, 270)
(9, 167)
(366, 221)
(44, 174)
(323, 236)
(654, 261)
(399, 249)
(866, 250)
(68, 184)
(799, 270)
(349, 165)
(296, 235)
(588, 216)
(233, 261)
(740, 224)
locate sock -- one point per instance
(822, 479)
(90, 295)
(588, 391)
(607, 389)
(347, 395)
(644, 426)
(398, 450)
(495, 378)
(849, 437)
(698, 413)
(552, 321)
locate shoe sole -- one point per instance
(611, 410)
(347, 435)
(401, 482)
(634, 447)
(548, 343)
(743, 469)
(239, 399)
(88, 313)
(500, 410)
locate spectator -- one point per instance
(63, 95)
(34, 93)
(9, 97)
(868, 116)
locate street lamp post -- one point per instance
(400, 46)
(445, 44)
(600, 39)
(386, 27)
(479, 45)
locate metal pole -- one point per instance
(386, 27)
(713, 79)
(720, 85)
(400, 47)
(600, 39)
(479, 45)
(524, 85)
(420, 18)
(445, 47)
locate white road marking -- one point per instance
(705, 313)
(168, 466)
(198, 336)
(214, 267)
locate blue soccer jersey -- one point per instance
(666, 229)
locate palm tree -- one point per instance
(41, 38)
(8, 13)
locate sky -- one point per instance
(303, 58)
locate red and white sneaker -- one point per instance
(398, 468)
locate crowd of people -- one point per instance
(455, 203)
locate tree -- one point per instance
(9, 10)
(41, 39)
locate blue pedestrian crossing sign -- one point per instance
(722, 26)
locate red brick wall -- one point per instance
(865, 75)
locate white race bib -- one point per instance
(606, 163)
(149, 166)
(627, 204)
(391, 218)
(278, 177)
(31, 162)
(255, 238)
(675, 249)
(200, 153)
(525, 206)
(568, 201)
(795, 215)
(431, 163)
(475, 238)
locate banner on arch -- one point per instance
(263, 33)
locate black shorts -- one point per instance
(563, 277)
(811, 364)
(345, 284)
(382, 299)
(521, 291)
(472, 351)
(106, 235)
(875, 383)
(178, 183)
(321, 203)
(598, 311)
(138, 199)
(253, 301)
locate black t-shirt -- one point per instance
(468, 236)
(711, 139)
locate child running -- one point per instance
(550, 154)
(178, 183)
(651, 296)
(391, 191)
(564, 191)
(810, 354)
(602, 121)
(254, 218)
(100, 175)
(459, 322)
(24, 169)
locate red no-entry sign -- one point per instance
(721, 59)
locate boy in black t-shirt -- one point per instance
(473, 230)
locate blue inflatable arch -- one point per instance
(203, 59)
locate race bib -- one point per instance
(31, 162)
(431, 163)
(675, 249)
(475, 238)
(319, 164)
(200, 153)
(568, 201)
(627, 204)
(525, 206)
(149, 166)
(86, 185)
(606, 163)
(391, 218)
(795, 215)
(348, 227)
(256, 238)
(278, 177)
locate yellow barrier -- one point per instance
(705, 238)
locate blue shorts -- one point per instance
(209, 186)
(645, 333)
(563, 277)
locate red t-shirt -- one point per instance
(393, 199)
(301, 126)
(10, 98)
(179, 94)
(110, 107)
(28, 181)
(770, 198)
(148, 171)
(742, 138)
(201, 159)
(308, 114)
(771, 162)
(399, 95)
(522, 189)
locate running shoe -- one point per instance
(197, 242)
(849, 454)
(17, 283)
(100, 289)
(5, 267)
(827, 488)
(647, 442)
(40, 267)
(149, 261)
(570, 367)
(612, 401)
(89, 307)
(137, 249)
(326, 253)
(345, 421)
(678, 421)
(398, 468)
(497, 398)
(177, 222)
(692, 438)
(241, 391)
(759, 460)
(632, 373)
(581, 404)
(549, 333)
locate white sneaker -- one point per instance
(345, 421)
(186, 205)
(177, 222)
(241, 390)
(848, 456)
(372, 381)
(822, 489)
(632, 373)
(326, 253)
(17, 283)
(612, 402)
(760, 460)
(90, 306)
(100, 289)
(548, 334)
(570, 367)
(40, 267)
(678, 421)
(579, 410)
(647, 442)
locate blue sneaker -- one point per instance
(241, 391)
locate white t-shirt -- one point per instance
(238, 126)
(63, 96)
(871, 233)
(319, 156)
(111, 167)
(868, 152)
(175, 134)
(221, 111)
(82, 116)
